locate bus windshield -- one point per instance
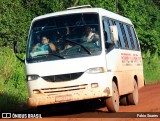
(63, 37)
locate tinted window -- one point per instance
(130, 36)
(69, 35)
(124, 36)
(134, 38)
(111, 22)
(120, 35)
(106, 30)
(127, 35)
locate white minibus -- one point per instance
(83, 53)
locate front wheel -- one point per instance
(113, 102)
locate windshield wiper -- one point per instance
(65, 39)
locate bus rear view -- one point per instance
(66, 59)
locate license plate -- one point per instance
(62, 98)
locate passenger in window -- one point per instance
(70, 34)
(68, 45)
(65, 35)
(90, 36)
(63, 32)
(44, 46)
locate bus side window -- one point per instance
(111, 22)
(130, 36)
(120, 35)
(124, 36)
(118, 44)
(127, 35)
(134, 38)
(107, 34)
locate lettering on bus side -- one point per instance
(131, 59)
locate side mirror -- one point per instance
(15, 47)
(16, 50)
(114, 33)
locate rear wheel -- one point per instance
(133, 97)
(113, 102)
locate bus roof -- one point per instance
(101, 11)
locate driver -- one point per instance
(44, 46)
(90, 36)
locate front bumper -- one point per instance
(76, 95)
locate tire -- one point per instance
(112, 103)
(133, 97)
(123, 100)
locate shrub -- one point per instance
(13, 88)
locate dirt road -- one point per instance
(149, 105)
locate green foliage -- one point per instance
(15, 21)
(146, 17)
(151, 64)
(16, 17)
(13, 88)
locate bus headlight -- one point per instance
(32, 77)
(36, 91)
(95, 70)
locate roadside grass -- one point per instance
(151, 65)
(13, 87)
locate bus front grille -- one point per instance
(63, 77)
(54, 91)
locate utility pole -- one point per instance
(116, 5)
(76, 2)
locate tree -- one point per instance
(16, 16)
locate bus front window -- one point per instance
(66, 36)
